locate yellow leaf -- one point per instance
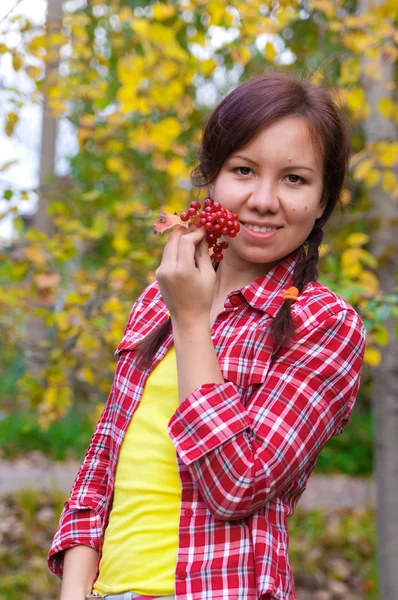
(125, 14)
(7, 165)
(372, 177)
(368, 259)
(164, 133)
(390, 181)
(207, 66)
(335, 26)
(161, 12)
(177, 168)
(240, 55)
(121, 245)
(86, 374)
(372, 356)
(386, 107)
(387, 153)
(111, 305)
(3, 48)
(216, 12)
(35, 256)
(357, 239)
(362, 169)
(16, 61)
(88, 342)
(356, 98)
(114, 164)
(350, 71)
(381, 336)
(269, 51)
(62, 321)
(11, 121)
(369, 282)
(91, 195)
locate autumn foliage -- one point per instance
(136, 80)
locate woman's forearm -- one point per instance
(80, 565)
(197, 361)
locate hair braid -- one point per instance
(306, 270)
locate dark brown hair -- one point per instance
(238, 118)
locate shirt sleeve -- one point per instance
(81, 521)
(240, 457)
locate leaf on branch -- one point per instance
(7, 165)
(167, 221)
(47, 280)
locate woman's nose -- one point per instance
(264, 197)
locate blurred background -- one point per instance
(102, 105)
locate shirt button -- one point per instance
(181, 575)
(236, 300)
(188, 512)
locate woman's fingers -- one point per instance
(187, 248)
(202, 256)
(170, 252)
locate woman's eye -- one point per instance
(243, 170)
(295, 179)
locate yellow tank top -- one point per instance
(141, 539)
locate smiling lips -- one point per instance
(260, 231)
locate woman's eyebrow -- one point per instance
(253, 162)
(299, 167)
(246, 158)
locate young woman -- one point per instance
(229, 380)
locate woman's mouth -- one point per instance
(259, 231)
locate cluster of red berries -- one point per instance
(217, 220)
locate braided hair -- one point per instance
(306, 270)
(239, 117)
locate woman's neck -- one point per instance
(232, 277)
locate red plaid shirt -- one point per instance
(245, 448)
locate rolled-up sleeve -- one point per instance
(240, 457)
(81, 521)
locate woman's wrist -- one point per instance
(189, 325)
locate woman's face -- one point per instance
(275, 186)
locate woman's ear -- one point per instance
(322, 205)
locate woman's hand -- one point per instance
(186, 276)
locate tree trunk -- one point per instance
(35, 348)
(385, 376)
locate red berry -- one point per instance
(235, 217)
(230, 224)
(208, 202)
(224, 231)
(236, 226)
(232, 233)
(218, 256)
(222, 222)
(196, 205)
(184, 216)
(192, 212)
(209, 226)
(216, 206)
(224, 245)
(217, 228)
(217, 248)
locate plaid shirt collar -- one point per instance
(266, 292)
